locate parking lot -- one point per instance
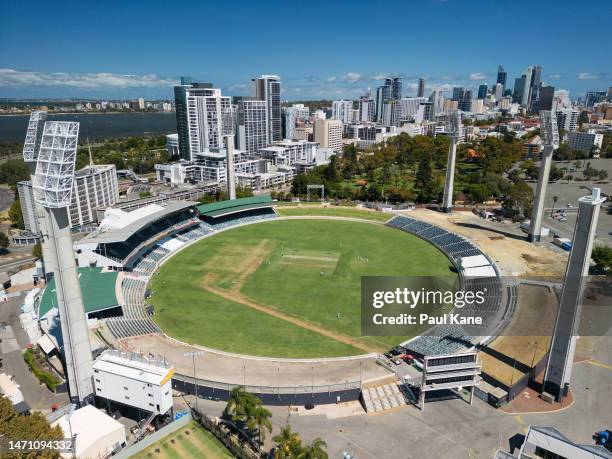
(570, 193)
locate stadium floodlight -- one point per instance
(548, 129)
(453, 123)
(34, 135)
(550, 140)
(453, 126)
(54, 174)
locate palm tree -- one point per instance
(555, 199)
(288, 443)
(260, 419)
(241, 404)
(316, 450)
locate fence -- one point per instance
(280, 396)
(154, 437)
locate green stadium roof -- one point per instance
(97, 288)
(217, 209)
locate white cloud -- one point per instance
(331, 79)
(379, 76)
(11, 77)
(554, 76)
(478, 76)
(353, 77)
(237, 87)
(588, 76)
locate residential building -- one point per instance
(293, 115)
(392, 113)
(251, 124)
(567, 119)
(94, 186)
(343, 110)
(268, 88)
(328, 134)
(546, 97)
(437, 102)
(172, 145)
(588, 142)
(366, 109)
(28, 207)
(203, 116)
(141, 104)
(320, 114)
(409, 106)
(499, 91)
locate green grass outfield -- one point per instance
(309, 269)
(290, 211)
(192, 441)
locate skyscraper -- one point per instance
(251, 124)
(501, 76)
(545, 99)
(527, 89)
(267, 87)
(519, 87)
(396, 87)
(421, 88)
(383, 93)
(342, 110)
(366, 109)
(482, 91)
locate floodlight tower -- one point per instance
(31, 146)
(52, 184)
(563, 345)
(230, 174)
(550, 140)
(453, 126)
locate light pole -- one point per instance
(193, 355)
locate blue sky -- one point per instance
(321, 49)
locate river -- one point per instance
(96, 126)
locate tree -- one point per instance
(260, 420)
(316, 450)
(555, 199)
(37, 251)
(288, 443)
(34, 427)
(519, 201)
(15, 215)
(13, 171)
(206, 198)
(4, 240)
(603, 174)
(602, 256)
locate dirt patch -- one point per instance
(511, 355)
(502, 248)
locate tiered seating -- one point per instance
(229, 222)
(380, 398)
(122, 327)
(451, 338)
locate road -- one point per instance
(14, 341)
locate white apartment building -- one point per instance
(567, 119)
(328, 134)
(342, 110)
(172, 145)
(289, 152)
(320, 114)
(294, 114)
(409, 106)
(94, 186)
(366, 110)
(268, 89)
(209, 117)
(251, 124)
(585, 141)
(134, 380)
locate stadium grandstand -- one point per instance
(124, 237)
(176, 227)
(476, 272)
(224, 214)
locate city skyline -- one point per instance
(126, 51)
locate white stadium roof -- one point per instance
(480, 271)
(473, 261)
